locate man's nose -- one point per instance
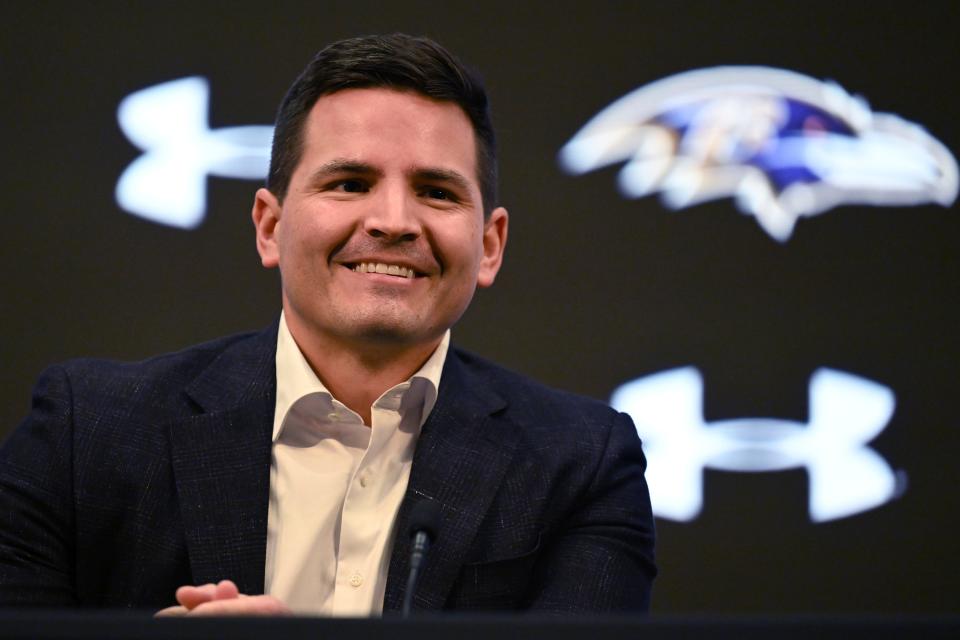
(393, 216)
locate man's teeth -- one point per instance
(389, 269)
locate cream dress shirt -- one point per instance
(336, 485)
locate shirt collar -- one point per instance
(296, 379)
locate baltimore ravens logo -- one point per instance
(782, 144)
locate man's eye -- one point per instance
(438, 194)
(351, 186)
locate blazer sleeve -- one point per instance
(36, 498)
(602, 559)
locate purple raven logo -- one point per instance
(782, 144)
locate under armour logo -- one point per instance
(168, 183)
(846, 412)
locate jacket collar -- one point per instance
(221, 463)
(462, 454)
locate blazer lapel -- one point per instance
(461, 456)
(221, 463)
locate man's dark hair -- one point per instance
(396, 61)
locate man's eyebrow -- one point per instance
(342, 166)
(436, 174)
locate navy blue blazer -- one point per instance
(129, 480)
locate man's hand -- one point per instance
(222, 599)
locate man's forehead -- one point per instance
(344, 117)
(388, 101)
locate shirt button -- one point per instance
(356, 579)
(364, 479)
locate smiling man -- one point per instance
(381, 237)
(277, 471)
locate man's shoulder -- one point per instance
(182, 361)
(529, 397)
(98, 377)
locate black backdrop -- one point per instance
(596, 289)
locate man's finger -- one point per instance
(175, 611)
(250, 606)
(226, 590)
(190, 596)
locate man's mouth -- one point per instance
(386, 269)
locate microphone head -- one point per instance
(425, 516)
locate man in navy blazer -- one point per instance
(129, 483)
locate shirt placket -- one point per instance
(362, 519)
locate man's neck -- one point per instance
(358, 373)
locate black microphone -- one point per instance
(424, 522)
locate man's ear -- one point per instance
(266, 215)
(494, 243)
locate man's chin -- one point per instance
(393, 334)
(372, 327)
(387, 335)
